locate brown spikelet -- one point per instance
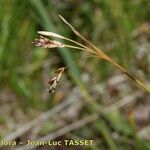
(47, 43)
(55, 80)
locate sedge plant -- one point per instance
(90, 48)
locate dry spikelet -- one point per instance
(55, 80)
(46, 43)
(50, 34)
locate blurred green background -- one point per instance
(120, 27)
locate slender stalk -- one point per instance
(104, 56)
(79, 48)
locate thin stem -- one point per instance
(75, 47)
(107, 58)
(65, 38)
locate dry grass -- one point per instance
(90, 48)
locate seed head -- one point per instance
(50, 34)
(47, 43)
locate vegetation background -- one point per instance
(121, 28)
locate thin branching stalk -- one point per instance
(55, 35)
(75, 47)
(91, 48)
(104, 56)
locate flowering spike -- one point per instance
(54, 81)
(50, 34)
(46, 43)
